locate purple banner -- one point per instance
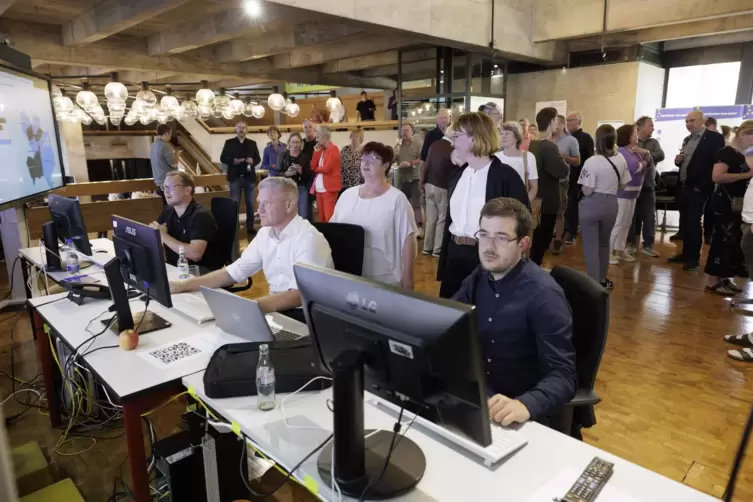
(718, 112)
(748, 112)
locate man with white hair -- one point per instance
(283, 240)
(586, 147)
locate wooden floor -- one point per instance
(672, 401)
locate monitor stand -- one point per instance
(359, 460)
(121, 299)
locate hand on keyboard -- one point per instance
(506, 411)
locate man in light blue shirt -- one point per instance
(570, 151)
(162, 158)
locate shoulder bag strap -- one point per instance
(525, 167)
(615, 170)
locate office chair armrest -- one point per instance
(237, 288)
(584, 397)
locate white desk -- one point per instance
(139, 384)
(451, 475)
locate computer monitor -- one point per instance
(140, 255)
(409, 348)
(69, 223)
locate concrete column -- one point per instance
(73, 151)
(745, 82)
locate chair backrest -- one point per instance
(346, 241)
(670, 181)
(225, 213)
(589, 303)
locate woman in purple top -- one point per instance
(272, 152)
(637, 159)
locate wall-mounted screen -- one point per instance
(30, 161)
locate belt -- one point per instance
(463, 241)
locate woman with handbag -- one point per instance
(601, 177)
(523, 161)
(731, 175)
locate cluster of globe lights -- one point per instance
(145, 108)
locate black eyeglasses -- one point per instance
(498, 240)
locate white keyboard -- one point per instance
(193, 306)
(504, 441)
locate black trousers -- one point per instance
(460, 262)
(692, 206)
(542, 237)
(571, 214)
(725, 255)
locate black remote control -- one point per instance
(589, 484)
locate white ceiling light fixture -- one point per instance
(205, 111)
(205, 96)
(190, 110)
(236, 104)
(222, 101)
(146, 95)
(292, 109)
(248, 110)
(228, 113)
(253, 8)
(115, 91)
(86, 99)
(333, 101)
(168, 101)
(276, 101)
(258, 111)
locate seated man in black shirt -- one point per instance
(184, 222)
(523, 318)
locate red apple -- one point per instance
(128, 339)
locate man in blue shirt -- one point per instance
(523, 318)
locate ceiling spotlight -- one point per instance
(204, 96)
(276, 101)
(496, 66)
(253, 8)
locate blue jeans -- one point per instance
(304, 203)
(247, 186)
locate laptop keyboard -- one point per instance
(282, 335)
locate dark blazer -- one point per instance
(234, 149)
(503, 181)
(702, 162)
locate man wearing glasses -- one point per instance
(524, 321)
(184, 222)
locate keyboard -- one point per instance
(504, 441)
(282, 335)
(193, 306)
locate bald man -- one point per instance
(696, 162)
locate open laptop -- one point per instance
(244, 318)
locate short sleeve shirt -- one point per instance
(598, 173)
(195, 224)
(569, 147)
(366, 109)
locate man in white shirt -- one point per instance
(284, 240)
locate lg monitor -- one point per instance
(69, 223)
(419, 352)
(140, 256)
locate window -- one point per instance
(703, 85)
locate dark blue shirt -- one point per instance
(434, 135)
(525, 324)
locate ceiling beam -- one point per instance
(408, 68)
(377, 60)
(5, 5)
(665, 33)
(113, 16)
(359, 45)
(232, 23)
(286, 39)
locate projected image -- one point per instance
(29, 158)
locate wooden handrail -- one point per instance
(123, 186)
(343, 126)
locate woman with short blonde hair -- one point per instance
(482, 177)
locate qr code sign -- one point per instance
(173, 353)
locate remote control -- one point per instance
(590, 483)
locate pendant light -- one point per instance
(204, 96)
(86, 99)
(248, 109)
(276, 101)
(146, 95)
(292, 109)
(258, 111)
(168, 101)
(190, 110)
(333, 101)
(236, 104)
(115, 91)
(222, 101)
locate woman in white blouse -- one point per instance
(523, 161)
(386, 216)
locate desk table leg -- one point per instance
(25, 265)
(47, 364)
(132, 410)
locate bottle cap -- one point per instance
(263, 347)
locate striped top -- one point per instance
(636, 168)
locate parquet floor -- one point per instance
(672, 401)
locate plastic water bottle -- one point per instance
(265, 380)
(71, 258)
(183, 273)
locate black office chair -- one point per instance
(667, 191)
(225, 213)
(589, 303)
(346, 242)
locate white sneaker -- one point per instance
(630, 249)
(649, 251)
(614, 260)
(627, 257)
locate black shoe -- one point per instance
(678, 258)
(607, 284)
(557, 248)
(707, 240)
(732, 286)
(676, 237)
(691, 266)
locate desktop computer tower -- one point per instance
(51, 248)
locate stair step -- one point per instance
(62, 491)
(30, 468)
